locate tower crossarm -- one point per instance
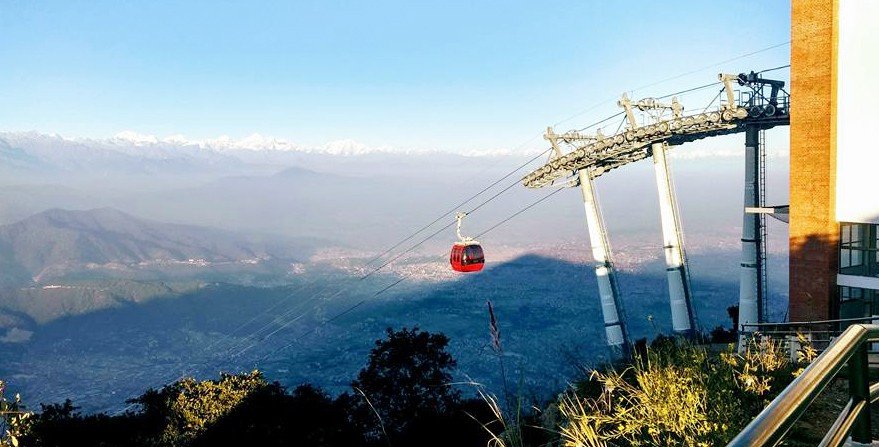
(600, 153)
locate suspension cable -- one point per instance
(716, 97)
(521, 211)
(678, 76)
(690, 90)
(317, 295)
(398, 281)
(773, 69)
(375, 270)
(622, 122)
(772, 47)
(455, 208)
(431, 236)
(600, 122)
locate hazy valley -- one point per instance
(124, 265)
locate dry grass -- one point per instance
(677, 395)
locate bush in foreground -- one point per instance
(674, 395)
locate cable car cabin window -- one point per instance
(473, 255)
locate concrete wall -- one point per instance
(857, 157)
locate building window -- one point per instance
(858, 256)
(875, 258)
(859, 249)
(855, 302)
(850, 293)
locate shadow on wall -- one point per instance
(814, 264)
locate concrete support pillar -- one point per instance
(683, 319)
(611, 306)
(750, 287)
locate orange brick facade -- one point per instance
(814, 231)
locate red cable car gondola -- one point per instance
(467, 255)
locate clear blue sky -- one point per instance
(449, 75)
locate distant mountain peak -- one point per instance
(135, 138)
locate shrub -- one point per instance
(15, 421)
(676, 395)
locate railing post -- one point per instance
(859, 390)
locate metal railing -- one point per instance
(792, 327)
(850, 348)
(820, 333)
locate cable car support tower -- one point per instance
(615, 329)
(664, 126)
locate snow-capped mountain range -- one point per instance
(151, 145)
(26, 157)
(145, 144)
(253, 142)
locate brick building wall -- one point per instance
(814, 231)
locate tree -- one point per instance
(405, 383)
(61, 425)
(181, 412)
(270, 417)
(234, 410)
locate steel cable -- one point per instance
(399, 280)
